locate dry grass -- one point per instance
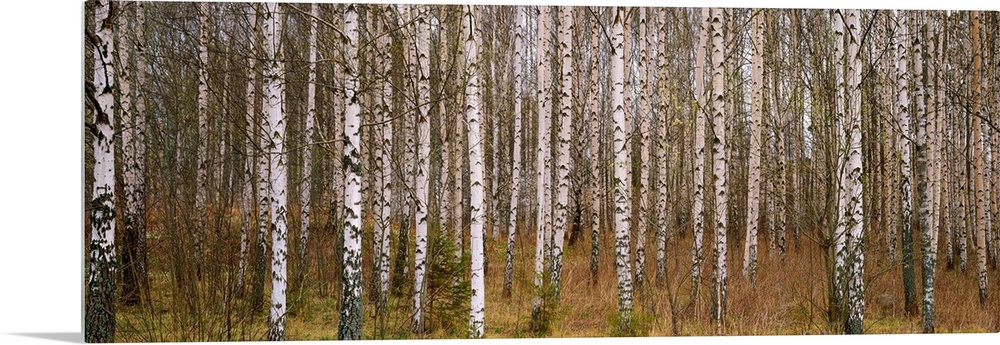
(788, 297)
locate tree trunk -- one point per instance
(250, 152)
(902, 54)
(662, 90)
(643, 125)
(508, 272)
(383, 224)
(562, 150)
(593, 106)
(203, 163)
(478, 303)
(351, 313)
(930, 216)
(719, 158)
(699, 152)
(306, 187)
(133, 147)
(977, 142)
(279, 177)
(422, 164)
(543, 156)
(851, 179)
(622, 164)
(99, 318)
(753, 184)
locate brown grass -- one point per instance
(788, 297)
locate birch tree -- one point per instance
(593, 106)
(930, 226)
(278, 180)
(699, 151)
(508, 272)
(99, 314)
(471, 46)
(423, 163)
(622, 162)
(202, 177)
(133, 149)
(719, 174)
(902, 111)
(643, 123)
(383, 61)
(756, 114)
(249, 151)
(562, 160)
(543, 157)
(977, 155)
(849, 276)
(855, 241)
(840, 273)
(307, 168)
(263, 193)
(662, 126)
(351, 313)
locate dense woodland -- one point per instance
(345, 171)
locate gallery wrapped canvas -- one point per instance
(296, 171)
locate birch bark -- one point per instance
(99, 317)
(351, 312)
(622, 163)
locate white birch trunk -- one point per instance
(445, 202)
(719, 167)
(279, 176)
(508, 272)
(543, 160)
(458, 150)
(921, 202)
(622, 164)
(139, 196)
(423, 163)
(593, 106)
(977, 142)
(756, 116)
(840, 234)
(249, 150)
(931, 206)
(699, 152)
(780, 121)
(263, 195)
(202, 177)
(643, 118)
(306, 187)
(903, 117)
(263, 191)
(907, 139)
(384, 151)
(853, 217)
(662, 92)
(134, 219)
(562, 150)
(339, 177)
(351, 313)
(471, 45)
(99, 318)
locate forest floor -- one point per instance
(787, 298)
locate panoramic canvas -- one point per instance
(264, 171)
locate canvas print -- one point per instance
(295, 171)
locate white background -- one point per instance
(41, 177)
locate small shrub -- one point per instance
(448, 289)
(544, 315)
(631, 325)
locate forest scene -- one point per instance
(341, 171)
